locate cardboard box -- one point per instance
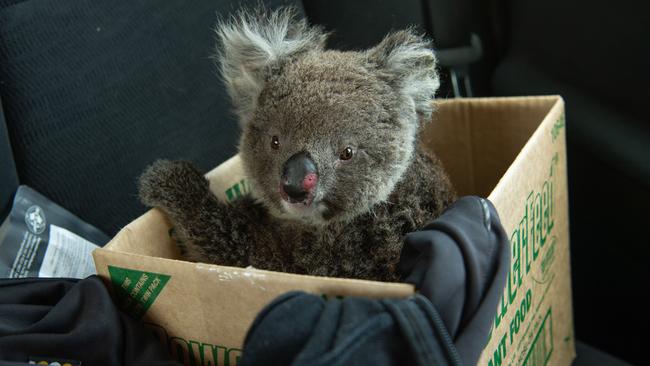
(511, 150)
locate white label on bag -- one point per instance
(67, 255)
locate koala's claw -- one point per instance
(170, 184)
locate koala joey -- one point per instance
(329, 147)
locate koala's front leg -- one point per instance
(212, 230)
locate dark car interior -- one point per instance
(92, 92)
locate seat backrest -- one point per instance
(8, 176)
(94, 91)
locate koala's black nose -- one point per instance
(299, 177)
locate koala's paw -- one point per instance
(172, 184)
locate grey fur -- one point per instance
(283, 83)
(251, 44)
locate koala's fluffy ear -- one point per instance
(251, 44)
(410, 64)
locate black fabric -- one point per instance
(94, 91)
(594, 45)
(70, 319)
(362, 24)
(459, 265)
(589, 356)
(8, 176)
(302, 329)
(451, 21)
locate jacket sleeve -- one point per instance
(460, 263)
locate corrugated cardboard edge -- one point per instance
(342, 286)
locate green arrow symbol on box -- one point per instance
(135, 291)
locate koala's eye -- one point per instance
(346, 154)
(275, 143)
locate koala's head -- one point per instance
(326, 135)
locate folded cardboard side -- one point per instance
(488, 145)
(534, 321)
